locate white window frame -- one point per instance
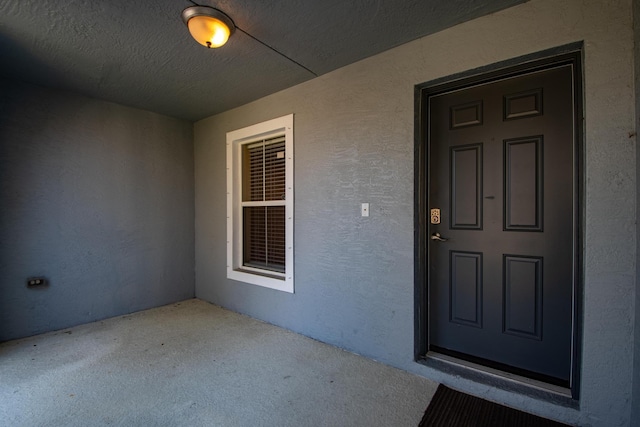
(235, 141)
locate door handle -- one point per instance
(438, 237)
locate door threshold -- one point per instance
(500, 379)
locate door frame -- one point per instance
(571, 54)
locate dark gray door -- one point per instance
(501, 173)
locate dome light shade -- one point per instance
(208, 26)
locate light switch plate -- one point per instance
(365, 209)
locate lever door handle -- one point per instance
(438, 237)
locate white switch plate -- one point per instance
(365, 209)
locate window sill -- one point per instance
(261, 279)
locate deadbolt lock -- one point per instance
(435, 216)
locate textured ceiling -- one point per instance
(139, 53)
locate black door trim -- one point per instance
(568, 54)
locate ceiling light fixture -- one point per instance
(208, 26)
(212, 28)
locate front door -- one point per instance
(501, 201)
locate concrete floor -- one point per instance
(195, 364)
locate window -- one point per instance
(260, 204)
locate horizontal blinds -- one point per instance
(264, 171)
(264, 237)
(264, 226)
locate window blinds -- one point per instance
(263, 205)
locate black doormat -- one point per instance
(450, 408)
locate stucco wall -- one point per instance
(635, 402)
(354, 143)
(96, 197)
